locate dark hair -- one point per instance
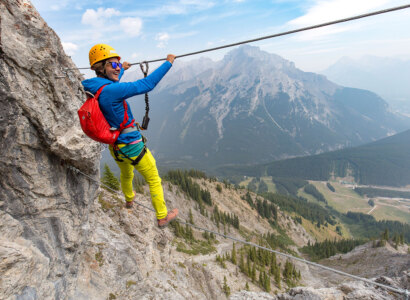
(99, 68)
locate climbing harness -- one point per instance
(145, 120)
(134, 162)
(379, 12)
(403, 292)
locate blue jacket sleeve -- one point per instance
(124, 90)
(121, 73)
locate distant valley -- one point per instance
(385, 162)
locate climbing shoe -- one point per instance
(130, 204)
(171, 216)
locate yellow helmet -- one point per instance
(100, 52)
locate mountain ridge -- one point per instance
(386, 76)
(254, 106)
(384, 162)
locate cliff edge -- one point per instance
(43, 205)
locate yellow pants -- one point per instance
(148, 169)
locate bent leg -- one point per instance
(127, 174)
(148, 169)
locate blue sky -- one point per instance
(144, 30)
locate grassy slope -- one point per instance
(324, 232)
(345, 199)
(266, 179)
(270, 184)
(390, 213)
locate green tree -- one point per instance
(253, 272)
(261, 278)
(248, 267)
(191, 217)
(109, 179)
(385, 235)
(242, 264)
(219, 188)
(248, 199)
(226, 288)
(233, 256)
(266, 282)
(330, 187)
(276, 275)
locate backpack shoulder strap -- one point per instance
(99, 92)
(126, 118)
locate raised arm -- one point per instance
(125, 90)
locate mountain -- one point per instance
(388, 77)
(384, 162)
(255, 107)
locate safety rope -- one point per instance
(406, 293)
(145, 120)
(379, 12)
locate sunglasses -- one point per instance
(114, 64)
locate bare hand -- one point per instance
(126, 65)
(171, 58)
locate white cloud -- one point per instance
(325, 32)
(51, 5)
(131, 26)
(55, 7)
(97, 18)
(135, 55)
(325, 11)
(69, 48)
(182, 7)
(163, 38)
(213, 17)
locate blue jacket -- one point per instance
(112, 96)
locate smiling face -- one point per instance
(112, 74)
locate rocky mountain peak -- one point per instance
(252, 55)
(282, 111)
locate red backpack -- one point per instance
(94, 123)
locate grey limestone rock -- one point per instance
(43, 205)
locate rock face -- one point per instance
(345, 291)
(43, 205)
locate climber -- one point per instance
(130, 150)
